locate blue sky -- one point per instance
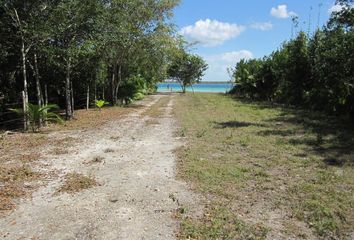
(228, 30)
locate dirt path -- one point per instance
(137, 183)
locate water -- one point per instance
(200, 87)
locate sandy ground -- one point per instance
(137, 184)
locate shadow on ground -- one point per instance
(236, 124)
(330, 137)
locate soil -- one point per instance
(137, 194)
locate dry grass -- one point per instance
(19, 152)
(16, 166)
(76, 182)
(59, 151)
(97, 159)
(157, 109)
(109, 150)
(152, 122)
(13, 178)
(93, 118)
(266, 171)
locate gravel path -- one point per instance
(137, 184)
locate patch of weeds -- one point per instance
(152, 121)
(16, 173)
(59, 151)
(260, 173)
(97, 159)
(323, 206)
(318, 216)
(245, 141)
(115, 138)
(201, 133)
(31, 157)
(182, 210)
(156, 110)
(7, 193)
(220, 223)
(182, 132)
(75, 182)
(13, 178)
(109, 150)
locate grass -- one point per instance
(156, 110)
(265, 169)
(76, 182)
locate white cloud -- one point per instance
(211, 32)
(281, 12)
(218, 64)
(265, 26)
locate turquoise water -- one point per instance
(200, 87)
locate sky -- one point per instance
(225, 31)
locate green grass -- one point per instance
(252, 158)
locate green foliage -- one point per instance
(95, 46)
(186, 68)
(315, 72)
(134, 88)
(36, 115)
(100, 103)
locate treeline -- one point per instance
(63, 51)
(314, 72)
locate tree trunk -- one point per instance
(72, 99)
(119, 80)
(24, 70)
(45, 102)
(183, 88)
(38, 86)
(95, 91)
(25, 90)
(67, 91)
(46, 95)
(88, 97)
(114, 84)
(25, 125)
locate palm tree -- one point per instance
(36, 115)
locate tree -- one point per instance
(187, 69)
(74, 22)
(28, 19)
(119, 49)
(314, 72)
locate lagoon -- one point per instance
(199, 87)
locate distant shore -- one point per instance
(203, 82)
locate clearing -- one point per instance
(258, 172)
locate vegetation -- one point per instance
(264, 170)
(100, 103)
(75, 182)
(315, 72)
(186, 68)
(69, 51)
(37, 115)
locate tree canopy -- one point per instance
(186, 68)
(65, 50)
(312, 71)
